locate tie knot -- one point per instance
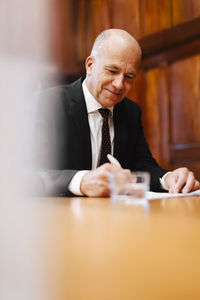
(105, 112)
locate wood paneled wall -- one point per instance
(171, 76)
(168, 85)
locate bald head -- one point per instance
(112, 66)
(109, 37)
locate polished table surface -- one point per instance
(94, 249)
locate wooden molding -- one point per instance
(170, 38)
(173, 54)
(185, 152)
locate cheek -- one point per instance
(95, 82)
(106, 80)
(128, 87)
(101, 82)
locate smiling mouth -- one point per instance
(114, 93)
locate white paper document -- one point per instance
(154, 195)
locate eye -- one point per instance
(112, 71)
(128, 77)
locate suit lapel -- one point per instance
(80, 119)
(121, 133)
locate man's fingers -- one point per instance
(194, 187)
(189, 185)
(172, 184)
(96, 182)
(176, 183)
(197, 185)
(182, 181)
(178, 179)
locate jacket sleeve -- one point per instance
(144, 159)
(42, 171)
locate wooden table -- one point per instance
(92, 249)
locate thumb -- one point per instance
(171, 183)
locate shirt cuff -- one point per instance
(75, 183)
(162, 181)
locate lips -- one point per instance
(114, 93)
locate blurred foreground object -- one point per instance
(23, 61)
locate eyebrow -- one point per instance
(112, 67)
(117, 69)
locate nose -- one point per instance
(118, 82)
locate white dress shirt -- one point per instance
(95, 123)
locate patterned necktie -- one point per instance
(105, 142)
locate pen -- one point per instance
(113, 160)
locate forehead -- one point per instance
(120, 56)
(120, 62)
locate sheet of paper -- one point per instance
(154, 195)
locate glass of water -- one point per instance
(129, 186)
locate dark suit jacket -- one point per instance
(63, 139)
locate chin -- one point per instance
(110, 102)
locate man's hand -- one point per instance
(96, 182)
(181, 180)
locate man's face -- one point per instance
(110, 75)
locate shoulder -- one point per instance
(65, 90)
(59, 96)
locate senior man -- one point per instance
(70, 126)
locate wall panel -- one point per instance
(62, 42)
(172, 83)
(152, 110)
(185, 113)
(92, 18)
(156, 112)
(157, 16)
(185, 103)
(127, 15)
(184, 10)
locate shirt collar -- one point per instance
(92, 104)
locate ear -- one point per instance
(89, 64)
